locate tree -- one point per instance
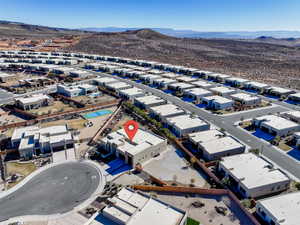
(192, 182)
(255, 151)
(193, 160)
(246, 203)
(297, 185)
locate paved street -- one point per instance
(56, 190)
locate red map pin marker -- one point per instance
(131, 128)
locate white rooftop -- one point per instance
(197, 91)
(32, 98)
(141, 141)
(280, 90)
(118, 85)
(166, 110)
(170, 75)
(297, 95)
(293, 114)
(186, 79)
(244, 97)
(150, 99)
(277, 122)
(203, 84)
(164, 80)
(223, 90)
(218, 99)
(220, 145)
(105, 80)
(185, 122)
(285, 208)
(134, 208)
(205, 136)
(237, 79)
(181, 85)
(132, 91)
(257, 84)
(252, 171)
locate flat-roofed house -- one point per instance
(131, 93)
(186, 79)
(280, 210)
(246, 99)
(180, 86)
(236, 82)
(220, 147)
(253, 176)
(76, 90)
(276, 125)
(117, 86)
(280, 92)
(149, 101)
(203, 84)
(162, 112)
(223, 91)
(197, 93)
(256, 86)
(292, 115)
(294, 97)
(79, 73)
(218, 102)
(129, 207)
(163, 82)
(186, 124)
(33, 102)
(149, 78)
(144, 146)
(30, 140)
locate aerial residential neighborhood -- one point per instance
(161, 126)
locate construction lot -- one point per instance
(206, 214)
(57, 106)
(93, 99)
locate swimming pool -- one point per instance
(96, 114)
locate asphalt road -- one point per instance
(227, 122)
(56, 190)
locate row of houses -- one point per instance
(213, 144)
(221, 78)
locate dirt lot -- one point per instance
(57, 106)
(23, 169)
(7, 119)
(93, 100)
(207, 215)
(74, 123)
(15, 80)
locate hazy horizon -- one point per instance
(196, 15)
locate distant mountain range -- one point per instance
(198, 34)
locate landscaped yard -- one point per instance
(191, 221)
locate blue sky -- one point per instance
(209, 15)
